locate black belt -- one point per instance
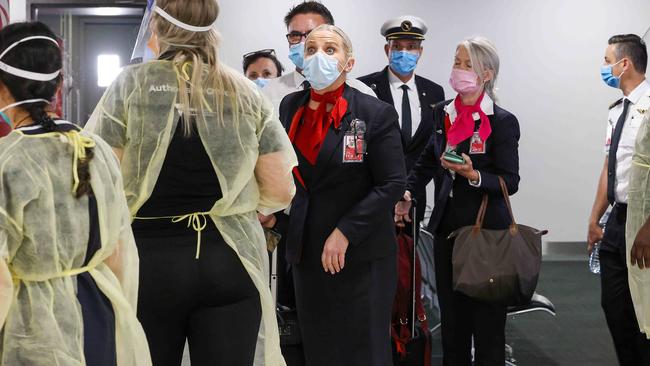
(621, 211)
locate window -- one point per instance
(108, 67)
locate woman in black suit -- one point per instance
(487, 138)
(340, 235)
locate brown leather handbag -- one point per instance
(497, 266)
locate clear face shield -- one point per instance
(144, 47)
(141, 51)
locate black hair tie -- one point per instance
(47, 122)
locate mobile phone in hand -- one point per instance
(452, 157)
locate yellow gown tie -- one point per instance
(196, 221)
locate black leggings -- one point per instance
(210, 301)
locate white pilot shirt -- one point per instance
(291, 82)
(639, 102)
(414, 99)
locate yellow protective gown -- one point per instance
(44, 232)
(138, 114)
(638, 211)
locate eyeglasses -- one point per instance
(266, 52)
(295, 36)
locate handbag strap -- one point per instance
(506, 197)
(481, 213)
(482, 210)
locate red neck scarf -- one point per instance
(310, 135)
(463, 126)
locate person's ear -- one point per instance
(5, 95)
(627, 64)
(488, 75)
(387, 50)
(348, 68)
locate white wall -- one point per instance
(17, 10)
(550, 51)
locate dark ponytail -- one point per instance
(42, 56)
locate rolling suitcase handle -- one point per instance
(414, 227)
(274, 276)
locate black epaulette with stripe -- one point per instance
(615, 103)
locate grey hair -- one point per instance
(483, 55)
(347, 43)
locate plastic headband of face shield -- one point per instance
(180, 24)
(37, 76)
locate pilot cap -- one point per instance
(404, 27)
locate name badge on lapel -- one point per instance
(354, 142)
(476, 144)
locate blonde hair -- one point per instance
(195, 57)
(483, 55)
(347, 43)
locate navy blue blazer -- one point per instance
(356, 198)
(429, 94)
(501, 159)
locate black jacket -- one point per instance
(358, 198)
(501, 159)
(430, 94)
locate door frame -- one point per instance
(83, 71)
(33, 5)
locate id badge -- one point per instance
(354, 142)
(476, 144)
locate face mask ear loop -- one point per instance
(345, 65)
(621, 60)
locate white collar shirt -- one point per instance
(414, 99)
(639, 102)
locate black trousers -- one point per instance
(210, 301)
(632, 347)
(464, 319)
(345, 318)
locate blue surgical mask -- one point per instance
(403, 62)
(321, 70)
(261, 82)
(297, 55)
(608, 77)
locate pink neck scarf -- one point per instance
(463, 126)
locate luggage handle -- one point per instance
(482, 210)
(414, 226)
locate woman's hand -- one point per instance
(267, 221)
(640, 252)
(466, 170)
(402, 209)
(333, 257)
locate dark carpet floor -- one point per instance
(577, 336)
